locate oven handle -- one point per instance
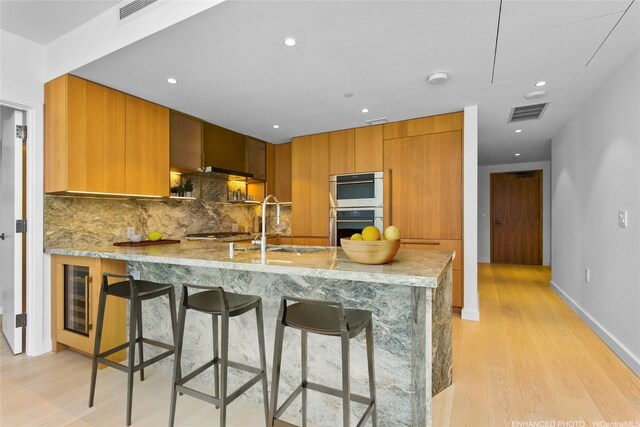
(355, 182)
(354, 220)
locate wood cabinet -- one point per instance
(256, 158)
(84, 137)
(341, 152)
(224, 148)
(368, 143)
(356, 150)
(424, 125)
(423, 185)
(100, 140)
(310, 185)
(186, 143)
(281, 172)
(147, 148)
(75, 291)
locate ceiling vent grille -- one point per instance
(377, 121)
(527, 112)
(134, 7)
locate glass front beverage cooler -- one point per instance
(76, 299)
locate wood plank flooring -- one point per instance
(529, 359)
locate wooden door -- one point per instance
(516, 217)
(423, 185)
(310, 186)
(147, 164)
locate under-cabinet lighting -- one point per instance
(114, 194)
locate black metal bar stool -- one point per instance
(136, 291)
(325, 318)
(218, 303)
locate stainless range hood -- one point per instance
(226, 174)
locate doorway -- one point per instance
(516, 217)
(12, 225)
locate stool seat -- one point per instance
(144, 289)
(209, 302)
(323, 320)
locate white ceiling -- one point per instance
(235, 71)
(46, 20)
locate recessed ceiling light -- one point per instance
(172, 81)
(535, 94)
(365, 110)
(541, 83)
(517, 154)
(290, 42)
(518, 130)
(437, 78)
(276, 126)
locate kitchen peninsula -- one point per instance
(410, 299)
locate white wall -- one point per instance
(484, 206)
(595, 173)
(471, 310)
(21, 79)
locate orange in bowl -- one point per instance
(370, 251)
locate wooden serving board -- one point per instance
(147, 243)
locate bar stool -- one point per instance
(136, 291)
(324, 318)
(218, 303)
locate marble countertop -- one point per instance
(409, 267)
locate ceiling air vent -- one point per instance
(133, 7)
(377, 121)
(527, 112)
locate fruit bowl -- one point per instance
(370, 251)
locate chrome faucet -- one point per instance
(263, 239)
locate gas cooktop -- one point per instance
(215, 235)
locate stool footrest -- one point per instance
(358, 398)
(289, 400)
(280, 423)
(180, 387)
(197, 371)
(136, 368)
(366, 415)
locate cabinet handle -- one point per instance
(87, 297)
(421, 243)
(390, 197)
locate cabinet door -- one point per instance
(224, 148)
(185, 142)
(341, 152)
(310, 185)
(282, 173)
(423, 185)
(368, 149)
(147, 148)
(256, 158)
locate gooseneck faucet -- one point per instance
(263, 239)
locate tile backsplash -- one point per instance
(102, 221)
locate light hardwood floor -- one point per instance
(530, 358)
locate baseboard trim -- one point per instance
(470, 315)
(612, 342)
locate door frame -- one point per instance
(37, 293)
(540, 212)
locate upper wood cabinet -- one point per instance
(100, 140)
(84, 132)
(368, 149)
(147, 148)
(423, 185)
(224, 148)
(310, 185)
(424, 125)
(355, 150)
(186, 142)
(341, 151)
(281, 167)
(256, 158)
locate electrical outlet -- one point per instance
(130, 231)
(135, 274)
(622, 219)
(234, 227)
(587, 275)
